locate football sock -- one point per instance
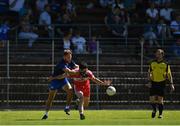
(161, 107)
(46, 113)
(67, 107)
(153, 106)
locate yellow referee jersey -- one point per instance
(159, 71)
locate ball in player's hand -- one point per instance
(111, 90)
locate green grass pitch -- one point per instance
(93, 117)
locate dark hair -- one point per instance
(67, 51)
(83, 65)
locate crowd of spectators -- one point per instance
(159, 20)
(35, 18)
(154, 20)
(156, 14)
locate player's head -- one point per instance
(68, 55)
(83, 66)
(159, 54)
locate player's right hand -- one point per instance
(107, 82)
(50, 78)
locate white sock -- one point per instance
(67, 107)
(46, 113)
(81, 113)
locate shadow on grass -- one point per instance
(129, 118)
(43, 120)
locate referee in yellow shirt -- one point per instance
(159, 74)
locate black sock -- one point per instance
(153, 106)
(161, 107)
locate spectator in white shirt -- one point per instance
(175, 26)
(165, 12)
(45, 19)
(14, 8)
(16, 5)
(79, 43)
(27, 32)
(152, 13)
(67, 41)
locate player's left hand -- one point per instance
(107, 82)
(148, 85)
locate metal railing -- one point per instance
(122, 59)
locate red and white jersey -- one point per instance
(80, 81)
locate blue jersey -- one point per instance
(58, 70)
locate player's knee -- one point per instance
(160, 101)
(69, 91)
(81, 96)
(67, 87)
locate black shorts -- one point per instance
(157, 88)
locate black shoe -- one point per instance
(153, 114)
(160, 116)
(82, 116)
(44, 117)
(67, 111)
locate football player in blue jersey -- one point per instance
(66, 65)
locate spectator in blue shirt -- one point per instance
(176, 49)
(4, 29)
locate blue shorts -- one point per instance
(58, 84)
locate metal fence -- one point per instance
(24, 71)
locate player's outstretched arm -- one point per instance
(149, 78)
(57, 77)
(170, 78)
(70, 72)
(98, 81)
